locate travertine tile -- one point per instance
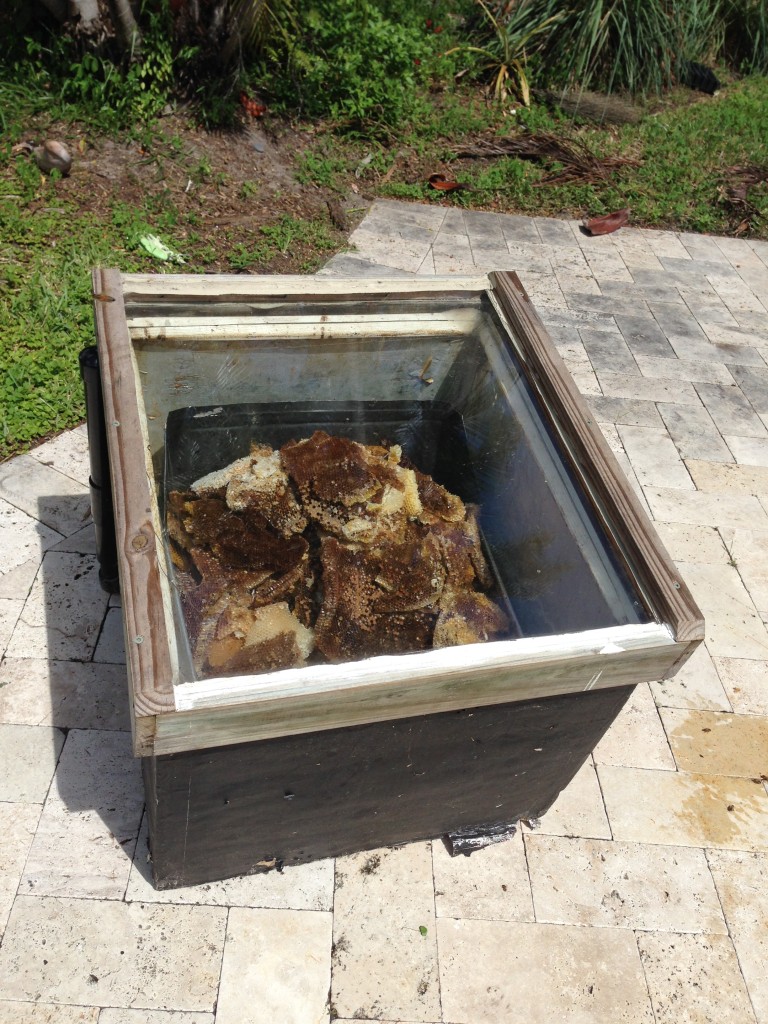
(23, 539)
(492, 884)
(16, 584)
(732, 413)
(710, 312)
(542, 289)
(385, 953)
(555, 232)
(579, 810)
(625, 410)
(57, 500)
(749, 451)
(666, 243)
(119, 954)
(277, 967)
(654, 457)
(684, 369)
(636, 738)
(681, 809)
(753, 381)
(427, 266)
(68, 453)
(741, 511)
(579, 318)
(625, 885)
(702, 247)
(728, 478)
(687, 543)
(694, 979)
(608, 353)
(9, 615)
(676, 321)
(718, 743)
(494, 971)
(63, 614)
(748, 550)
(579, 284)
(87, 832)
(67, 694)
(17, 829)
(732, 626)
(110, 648)
(695, 685)
(529, 257)
(742, 883)
(647, 389)
(731, 333)
(586, 381)
(519, 229)
(746, 683)
(110, 1015)
(644, 337)
(46, 1013)
(28, 756)
(694, 433)
(82, 543)
(302, 887)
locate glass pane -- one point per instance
(459, 521)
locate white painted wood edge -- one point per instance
(317, 332)
(462, 315)
(419, 668)
(140, 286)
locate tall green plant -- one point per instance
(514, 37)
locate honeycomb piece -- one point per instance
(355, 492)
(245, 542)
(410, 575)
(476, 556)
(174, 517)
(348, 625)
(258, 640)
(468, 617)
(437, 504)
(263, 485)
(327, 545)
(215, 484)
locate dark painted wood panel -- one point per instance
(234, 810)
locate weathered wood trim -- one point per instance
(275, 714)
(316, 328)
(237, 287)
(145, 609)
(625, 520)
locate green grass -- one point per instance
(46, 311)
(684, 152)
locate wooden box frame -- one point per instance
(169, 717)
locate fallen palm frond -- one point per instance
(578, 161)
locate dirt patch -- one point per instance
(229, 201)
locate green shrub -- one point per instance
(357, 61)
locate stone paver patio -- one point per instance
(643, 894)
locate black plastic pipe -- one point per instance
(102, 509)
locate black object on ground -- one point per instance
(102, 509)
